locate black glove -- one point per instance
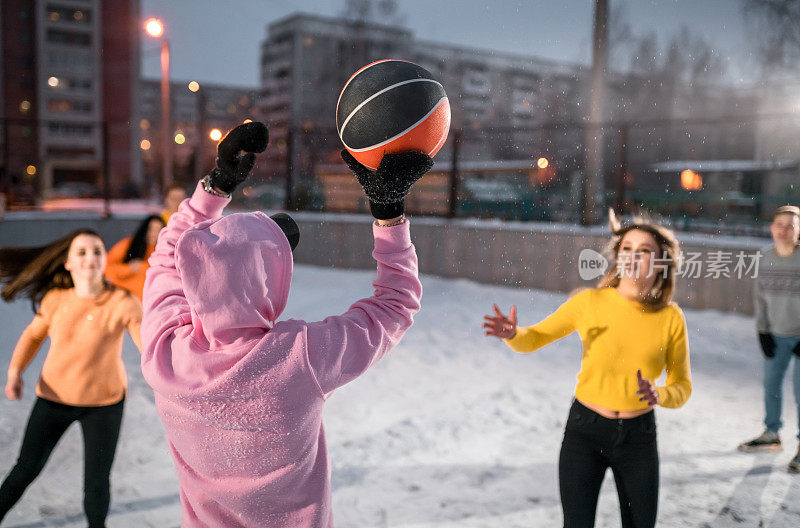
(388, 186)
(767, 344)
(232, 169)
(796, 349)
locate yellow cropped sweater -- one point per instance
(619, 337)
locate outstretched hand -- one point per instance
(232, 167)
(13, 388)
(499, 325)
(647, 389)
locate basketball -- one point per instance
(392, 106)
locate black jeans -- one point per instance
(46, 425)
(592, 444)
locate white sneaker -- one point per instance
(768, 441)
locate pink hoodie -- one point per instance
(240, 393)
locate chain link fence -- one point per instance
(723, 175)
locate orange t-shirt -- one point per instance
(84, 364)
(121, 274)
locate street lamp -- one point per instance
(155, 28)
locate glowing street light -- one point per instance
(194, 86)
(542, 163)
(215, 134)
(154, 27)
(180, 139)
(30, 170)
(52, 81)
(691, 181)
(145, 144)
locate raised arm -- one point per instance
(342, 347)
(165, 305)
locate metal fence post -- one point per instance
(454, 176)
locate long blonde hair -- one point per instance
(660, 295)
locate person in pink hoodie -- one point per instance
(240, 392)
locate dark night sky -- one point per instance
(214, 42)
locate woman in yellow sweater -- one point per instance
(631, 332)
(83, 378)
(127, 261)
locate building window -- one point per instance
(69, 129)
(70, 38)
(70, 61)
(476, 83)
(63, 105)
(67, 14)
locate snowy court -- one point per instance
(453, 429)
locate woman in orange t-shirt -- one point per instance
(127, 261)
(83, 377)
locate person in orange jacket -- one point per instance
(127, 261)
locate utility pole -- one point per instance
(593, 177)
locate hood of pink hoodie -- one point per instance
(236, 271)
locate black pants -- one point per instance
(592, 444)
(47, 423)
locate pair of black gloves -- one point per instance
(386, 188)
(768, 345)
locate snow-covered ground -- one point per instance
(453, 429)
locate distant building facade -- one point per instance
(69, 71)
(194, 115)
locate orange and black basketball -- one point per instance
(392, 106)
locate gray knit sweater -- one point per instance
(777, 294)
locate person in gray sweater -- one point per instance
(777, 306)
